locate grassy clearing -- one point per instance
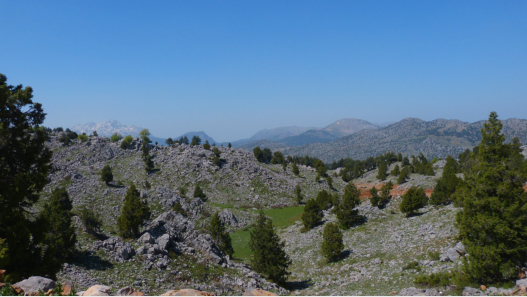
(219, 205)
(240, 244)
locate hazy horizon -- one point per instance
(234, 68)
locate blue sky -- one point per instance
(231, 68)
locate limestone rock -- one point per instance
(418, 292)
(468, 291)
(97, 290)
(187, 292)
(228, 218)
(35, 283)
(258, 292)
(128, 291)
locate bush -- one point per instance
(446, 185)
(206, 145)
(183, 191)
(127, 141)
(116, 137)
(83, 137)
(413, 199)
(198, 193)
(412, 265)
(298, 194)
(332, 244)
(91, 221)
(433, 255)
(133, 214)
(216, 151)
(149, 164)
(294, 169)
(346, 214)
(375, 198)
(179, 209)
(106, 174)
(220, 236)
(312, 214)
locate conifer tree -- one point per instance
(230, 145)
(298, 194)
(493, 224)
(329, 181)
(106, 174)
(195, 140)
(59, 232)
(169, 141)
(269, 258)
(396, 171)
(406, 161)
(179, 209)
(413, 199)
(90, 221)
(220, 236)
(312, 214)
(149, 164)
(403, 176)
(399, 157)
(375, 198)
(144, 135)
(258, 154)
(323, 200)
(198, 193)
(206, 145)
(116, 137)
(385, 194)
(294, 169)
(381, 175)
(346, 214)
(446, 185)
(284, 165)
(133, 214)
(145, 150)
(332, 244)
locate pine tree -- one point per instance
(413, 199)
(149, 164)
(298, 194)
(375, 198)
(403, 176)
(133, 214)
(90, 221)
(59, 232)
(179, 209)
(446, 185)
(116, 137)
(195, 140)
(145, 150)
(323, 200)
(294, 169)
(346, 214)
(312, 215)
(230, 145)
(106, 174)
(220, 236)
(396, 171)
(169, 141)
(269, 258)
(399, 157)
(258, 154)
(198, 193)
(284, 165)
(493, 224)
(206, 145)
(329, 181)
(332, 244)
(382, 173)
(385, 194)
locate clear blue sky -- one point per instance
(231, 68)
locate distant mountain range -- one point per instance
(109, 127)
(202, 135)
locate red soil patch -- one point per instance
(365, 190)
(525, 188)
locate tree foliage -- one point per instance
(220, 236)
(294, 169)
(493, 222)
(149, 164)
(413, 199)
(375, 198)
(346, 214)
(206, 145)
(195, 140)
(332, 244)
(116, 137)
(133, 214)
(446, 185)
(106, 174)
(89, 220)
(382, 173)
(198, 193)
(312, 215)
(127, 142)
(385, 194)
(269, 258)
(179, 209)
(144, 135)
(298, 194)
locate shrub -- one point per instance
(216, 152)
(220, 236)
(298, 194)
(206, 145)
(133, 214)
(149, 164)
(294, 169)
(116, 137)
(413, 199)
(198, 193)
(91, 221)
(346, 214)
(433, 255)
(332, 245)
(83, 137)
(179, 209)
(312, 214)
(106, 174)
(127, 141)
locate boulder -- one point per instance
(32, 285)
(128, 291)
(146, 238)
(97, 290)
(228, 218)
(187, 292)
(258, 292)
(521, 283)
(164, 241)
(469, 291)
(418, 292)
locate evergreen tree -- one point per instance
(269, 258)
(106, 174)
(332, 244)
(230, 145)
(346, 214)
(220, 236)
(385, 194)
(413, 199)
(127, 141)
(90, 221)
(375, 198)
(298, 194)
(184, 140)
(267, 155)
(284, 165)
(312, 214)
(145, 150)
(169, 141)
(195, 140)
(323, 200)
(206, 145)
(133, 214)
(144, 135)
(258, 154)
(396, 171)
(59, 233)
(493, 224)
(405, 161)
(446, 185)
(179, 209)
(116, 137)
(320, 167)
(24, 167)
(149, 164)
(216, 151)
(294, 169)
(278, 158)
(198, 193)
(403, 176)
(329, 181)
(399, 157)
(382, 173)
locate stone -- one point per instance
(146, 238)
(258, 292)
(98, 290)
(469, 291)
(164, 242)
(35, 283)
(128, 291)
(66, 289)
(187, 292)
(418, 292)
(521, 283)
(228, 218)
(483, 287)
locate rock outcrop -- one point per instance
(34, 284)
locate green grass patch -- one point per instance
(219, 205)
(240, 244)
(283, 217)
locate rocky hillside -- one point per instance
(310, 136)
(410, 136)
(107, 128)
(345, 127)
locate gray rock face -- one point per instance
(36, 283)
(521, 283)
(468, 291)
(228, 218)
(453, 254)
(418, 292)
(121, 250)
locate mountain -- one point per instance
(107, 128)
(279, 133)
(345, 127)
(264, 143)
(410, 136)
(310, 136)
(202, 135)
